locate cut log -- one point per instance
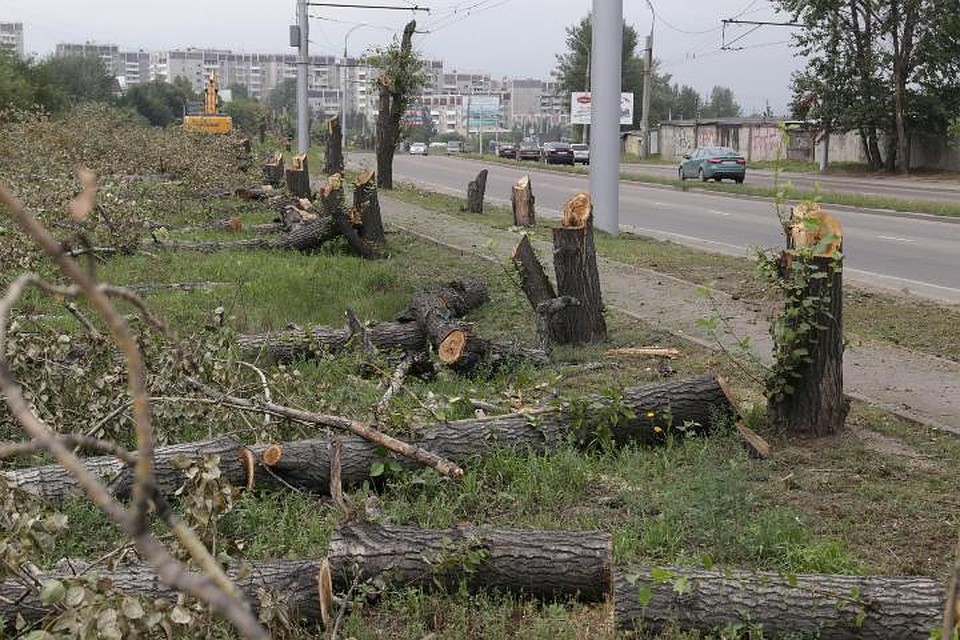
(366, 208)
(644, 352)
(333, 205)
(829, 607)
(810, 400)
(334, 156)
(476, 189)
(522, 199)
(405, 334)
(675, 407)
(533, 279)
(575, 264)
(273, 170)
(304, 237)
(298, 178)
(545, 564)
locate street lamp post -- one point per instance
(343, 95)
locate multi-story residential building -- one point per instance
(128, 67)
(11, 37)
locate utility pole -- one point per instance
(607, 46)
(586, 128)
(303, 62)
(346, 87)
(647, 81)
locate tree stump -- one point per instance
(805, 387)
(522, 200)
(475, 192)
(334, 156)
(273, 170)
(332, 198)
(575, 264)
(298, 177)
(366, 208)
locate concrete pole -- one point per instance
(605, 113)
(645, 112)
(303, 61)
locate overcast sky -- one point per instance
(518, 38)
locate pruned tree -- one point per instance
(401, 76)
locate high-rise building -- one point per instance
(11, 37)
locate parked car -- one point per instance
(528, 150)
(418, 149)
(454, 146)
(507, 151)
(557, 153)
(581, 153)
(713, 163)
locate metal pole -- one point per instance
(585, 137)
(303, 61)
(647, 80)
(607, 43)
(481, 129)
(346, 84)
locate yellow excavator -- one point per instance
(211, 120)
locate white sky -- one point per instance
(518, 38)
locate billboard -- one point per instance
(482, 112)
(580, 107)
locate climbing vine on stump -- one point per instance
(805, 385)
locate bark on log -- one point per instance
(546, 312)
(304, 237)
(575, 263)
(298, 177)
(366, 208)
(545, 564)
(305, 464)
(829, 607)
(273, 170)
(476, 189)
(333, 205)
(533, 279)
(404, 334)
(522, 199)
(816, 406)
(333, 162)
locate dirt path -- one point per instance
(913, 385)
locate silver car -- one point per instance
(581, 153)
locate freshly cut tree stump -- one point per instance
(545, 564)
(829, 607)
(522, 199)
(298, 178)
(273, 170)
(366, 209)
(332, 198)
(575, 263)
(546, 311)
(334, 156)
(676, 407)
(533, 279)
(817, 405)
(476, 189)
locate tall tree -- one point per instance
(400, 78)
(722, 104)
(283, 97)
(160, 102)
(79, 78)
(688, 103)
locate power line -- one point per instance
(386, 7)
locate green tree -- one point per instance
(283, 97)
(161, 103)
(16, 86)
(687, 104)
(722, 104)
(249, 116)
(239, 91)
(79, 78)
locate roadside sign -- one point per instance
(580, 102)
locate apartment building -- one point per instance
(11, 37)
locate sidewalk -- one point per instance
(917, 386)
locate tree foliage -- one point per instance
(54, 84)
(161, 103)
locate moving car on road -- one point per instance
(581, 153)
(507, 151)
(557, 153)
(713, 163)
(528, 150)
(418, 149)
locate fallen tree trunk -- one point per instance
(405, 334)
(298, 177)
(333, 162)
(304, 237)
(476, 189)
(673, 407)
(545, 564)
(522, 200)
(829, 607)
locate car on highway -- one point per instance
(713, 163)
(507, 151)
(454, 146)
(418, 149)
(556, 153)
(581, 153)
(528, 150)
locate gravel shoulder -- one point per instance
(916, 386)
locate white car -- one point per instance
(581, 153)
(418, 149)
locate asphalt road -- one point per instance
(905, 253)
(922, 188)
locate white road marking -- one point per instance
(897, 239)
(718, 212)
